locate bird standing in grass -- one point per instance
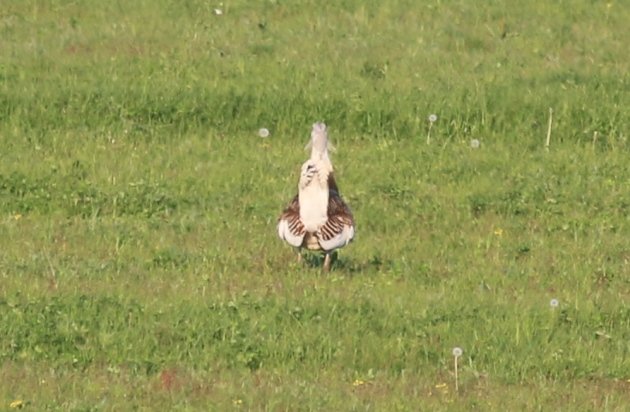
(317, 218)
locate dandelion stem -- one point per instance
(429, 133)
(53, 273)
(549, 128)
(594, 138)
(456, 377)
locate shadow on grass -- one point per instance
(338, 265)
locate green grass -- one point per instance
(140, 267)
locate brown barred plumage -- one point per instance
(339, 216)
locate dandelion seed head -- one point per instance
(457, 351)
(474, 143)
(263, 132)
(217, 12)
(554, 303)
(433, 118)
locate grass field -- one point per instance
(139, 263)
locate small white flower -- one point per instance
(263, 132)
(217, 12)
(457, 351)
(474, 143)
(554, 303)
(433, 118)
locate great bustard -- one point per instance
(317, 218)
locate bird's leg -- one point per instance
(327, 263)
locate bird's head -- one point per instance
(319, 143)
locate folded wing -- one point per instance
(290, 227)
(338, 230)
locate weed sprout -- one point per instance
(17, 404)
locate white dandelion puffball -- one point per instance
(457, 351)
(554, 303)
(217, 12)
(433, 118)
(474, 143)
(263, 132)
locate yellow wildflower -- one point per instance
(498, 232)
(16, 404)
(358, 382)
